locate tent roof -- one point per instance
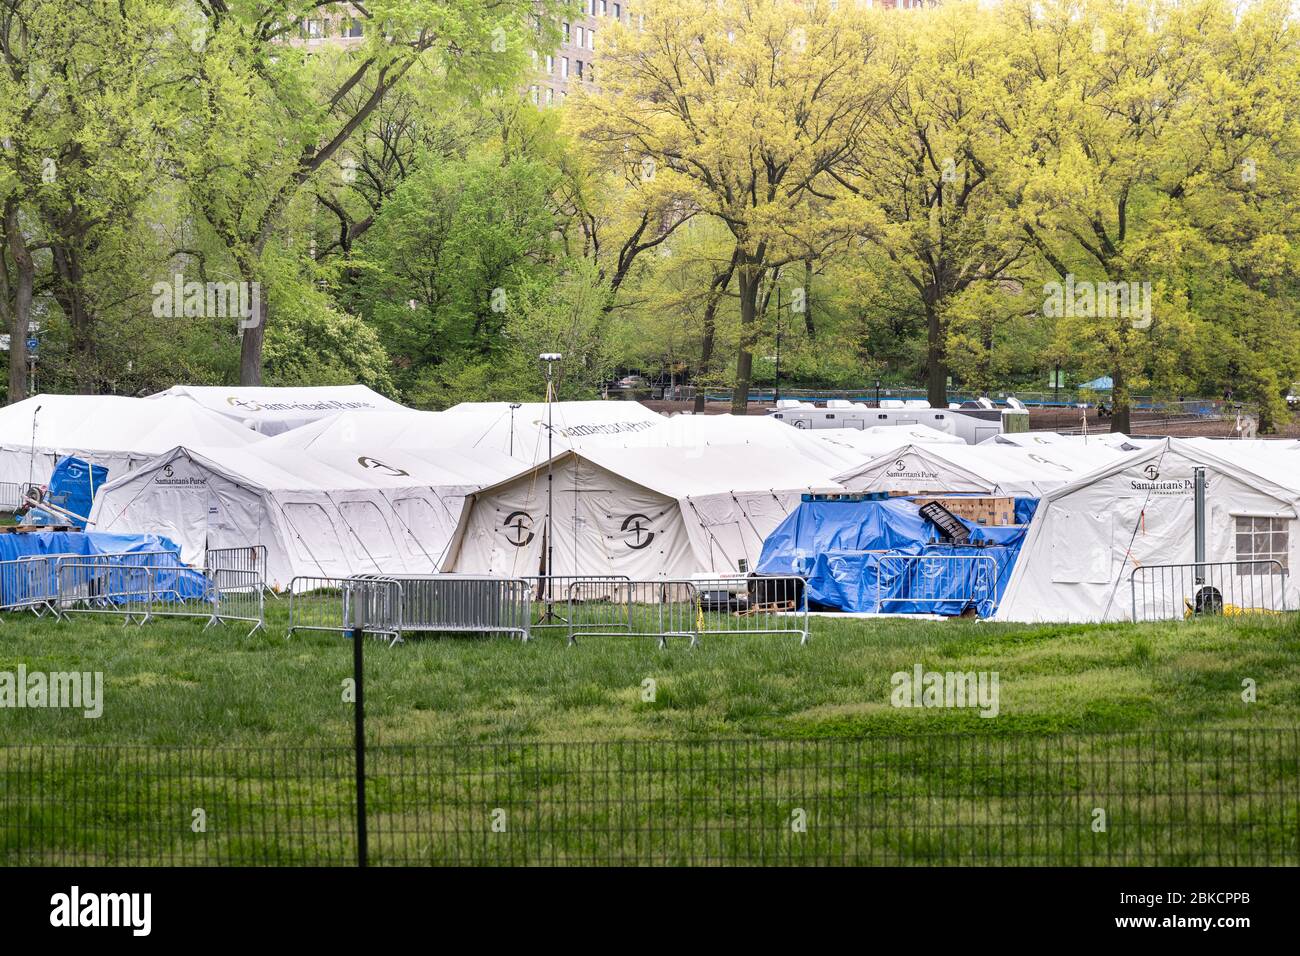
(521, 431)
(115, 423)
(1006, 469)
(731, 431)
(274, 410)
(694, 472)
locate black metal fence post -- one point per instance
(359, 721)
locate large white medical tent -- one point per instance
(976, 469)
(1086, 538)
(657, 512)
(272, 410)
(756, 431)
(326, 513)
(1041, 439)
(521, 429)
(115, 431)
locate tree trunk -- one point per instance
(250, 347)
(750, 280)
(20, 315)
(1120, 412)
(936, 366)
(69, 293)
(709, 340)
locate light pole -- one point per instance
(551, 359)
(514, 406)
(877, 393)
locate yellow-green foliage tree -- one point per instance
(747, 107)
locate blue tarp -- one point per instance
(72, 487)
(838, 545)
(172, 579)
(1103, 384)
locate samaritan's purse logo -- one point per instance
(641, 535)
(365, 461)
(1152, 472)
(518, 527)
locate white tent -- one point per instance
(756, 431)
(323, 513)
(118, 432)
(520, 429)
(658, 512)
(1087, 537)
(271, 411)
(978, 469)
(878, 440)
(1040, 439)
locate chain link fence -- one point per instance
(1221, 798)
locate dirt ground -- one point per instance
(1047, 419)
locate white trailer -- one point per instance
(972, 423)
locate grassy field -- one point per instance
(1146, 719)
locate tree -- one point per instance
(928, 160)
(748, 107)
(266, 121)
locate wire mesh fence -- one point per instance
(1161, 798)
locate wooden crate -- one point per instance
(991, 511)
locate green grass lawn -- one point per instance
(742, 732)
(172, 682)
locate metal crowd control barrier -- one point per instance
(98, 586)
(936, 579)
(238, 596)
(250, 557)
(31, 583)
(462, 603)
(551, 591)
(11, 496)
(1162, 592)
(754, 605)
(660, 609)
(397, 604)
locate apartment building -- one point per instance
(573, 62)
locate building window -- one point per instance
(566, 33)
(591, 39)
(312, 29)
(564, 67)
(604, 9)
(578, 64)
(1262, 540)
(618, 12)
(533, 91)
(578, 37)
(550, 64)
(352, 27)
(550, 96)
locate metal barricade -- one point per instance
(1162, 592)
(462, 603)
(753, 605)
(659, 609)
(552, 591)
(99, 585)
(967, 580)
(11, 496)
(327, 603)
(237, 596)
(31, 583)
(249, 557)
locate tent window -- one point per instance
(1081, 548)
(314, 537)
(370, 527)
(1262, 540)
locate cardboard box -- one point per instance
(994, 512)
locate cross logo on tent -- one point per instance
(633, 523)
(1151, 471)
(248, 404)
(365, 461)
(521, 522)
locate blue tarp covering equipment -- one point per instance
(72, 487)
(172, 580)
(838, 546)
